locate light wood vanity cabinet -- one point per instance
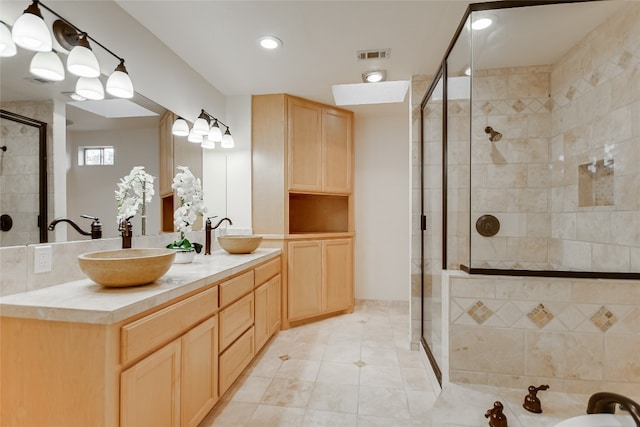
(302, 171)
(163, 367)
(320, 274)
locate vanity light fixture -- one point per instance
(30, 31)
(180, 127)
(374, 76)
(269, 42)
(81, 60)
(7, 45)
(47, 65)
(201, 129)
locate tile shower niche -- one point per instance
(595, 183)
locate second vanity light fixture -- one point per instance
(31, 32)
(206, 131)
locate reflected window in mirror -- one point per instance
(96, 156)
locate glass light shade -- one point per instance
(48, 66)
(90, 88)
(7, 46)
(215, 134)
(180, 127)
(201, 126)
(119, 85)
(195, 138)
(207, 143)
(30, 32)
(227, 140)
(82, 62)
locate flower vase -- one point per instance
(184, 256)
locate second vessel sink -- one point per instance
(239, 244)
(126, 267)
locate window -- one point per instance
(91, 156)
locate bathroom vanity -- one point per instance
(79, 354)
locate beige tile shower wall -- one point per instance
(577, 335)
(511, 178)
(595, 88)
(19, 171)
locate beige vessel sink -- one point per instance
(126, 267)
(239, 244)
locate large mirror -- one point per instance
(82, 136)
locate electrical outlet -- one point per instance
(41, 259)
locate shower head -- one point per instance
(494, 136)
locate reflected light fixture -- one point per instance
(180, 127)
(47, 65)
(195, 138)
(201, 129)
(482, 23)
(119, 83)
(90, 88)
(374, 76)
(7, 45)
(81, 60)
(269, 42)
(30, 31)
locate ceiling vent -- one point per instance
(38, 80)
(365, 55)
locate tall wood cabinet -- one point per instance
(302, 153)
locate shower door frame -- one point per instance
(42, 167)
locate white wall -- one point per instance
(382, 261)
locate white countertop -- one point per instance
(87, 302)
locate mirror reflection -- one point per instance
(91, 145)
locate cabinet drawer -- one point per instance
(148, 333)
(236, 319)
(233, 361)
(235, 288)
(266, 271)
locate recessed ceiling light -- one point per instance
(269, 42)
(374, 76)
(481, 23)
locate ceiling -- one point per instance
(218, 39)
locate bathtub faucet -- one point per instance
(96, 226)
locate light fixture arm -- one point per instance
(215, 119)
(79, 31)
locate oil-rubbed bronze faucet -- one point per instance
(96, 227)
(208, 228)
(126, 231)
(531, 401)
(605, 403)
(495, 415)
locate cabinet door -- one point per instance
(338, 283)
(150, 390)
(337, 150)
(274, 299)
(304, 292)
(304, 145)
(267, 301)
(261, 321)
(199, 371)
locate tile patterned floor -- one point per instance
(353, 370)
